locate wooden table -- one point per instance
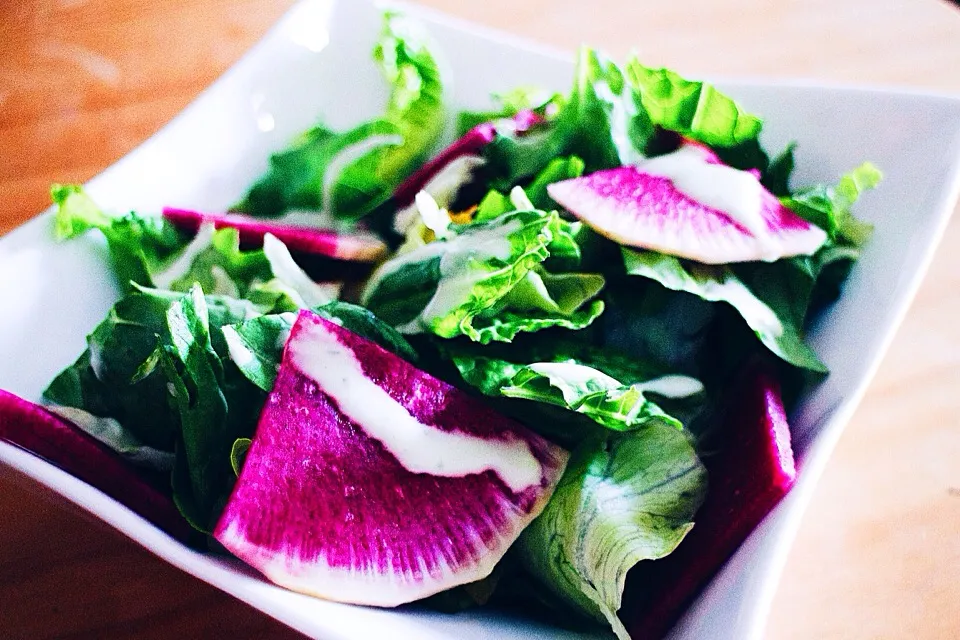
(878, 556)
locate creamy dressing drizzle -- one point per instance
(672, 386)
(734, 192)
(458, 276)
(420, 448)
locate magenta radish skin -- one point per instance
(748, 478)
(470, 143)
(639, 209)
(36, 430)
(323, 507)
(357, 247)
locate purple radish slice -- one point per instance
(40, 432)
(752, 473)
(357, 247)
(469, 144)
(371, 482)
(687, 203)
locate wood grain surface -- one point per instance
(878, 556)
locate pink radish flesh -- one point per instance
(34, 429)
(359, 247)
(752, 473)
(470, 143)
(641, 209)
(328, 503)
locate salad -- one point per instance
(547, 365)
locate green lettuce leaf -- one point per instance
(149, 252)
(484, 280)
(238, 452)
(508, 104)
(138, 245)
(256, 345)
(559, 169)
(621, 501)
(349, 174)
(775, 324)
(829, 207)
(541, 300)
(194, 373)
(150, 343)
(579, 378)
(585, 390)
(111, 433)
(602, 122)
(695, 109)
(471, 272)
(605, 122)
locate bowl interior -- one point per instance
(316, 64)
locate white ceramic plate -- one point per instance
(316, 62)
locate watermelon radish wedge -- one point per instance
(357, 247)
(468, 145)
(40, 432)
(753, 472)
(689, 204)
(371, 482)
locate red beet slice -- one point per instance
(470, 143)
(357, 247)
(369, 481)
(689, 204)
(34, 429)
(754, 471)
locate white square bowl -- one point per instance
(316, 63)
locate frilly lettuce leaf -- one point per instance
(577, 387)
(565, 236)
(349, 174)
(694, 109)
(829, 207)
(150, 252)
(622, 500)
(483, 281)
(604, 120)
(776, 326)
(541, 300)
(138, 245)
(585, 390)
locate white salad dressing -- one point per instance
(457, 278)
(237, 347)
(734, 192)
(420, 448)
(672, 386)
